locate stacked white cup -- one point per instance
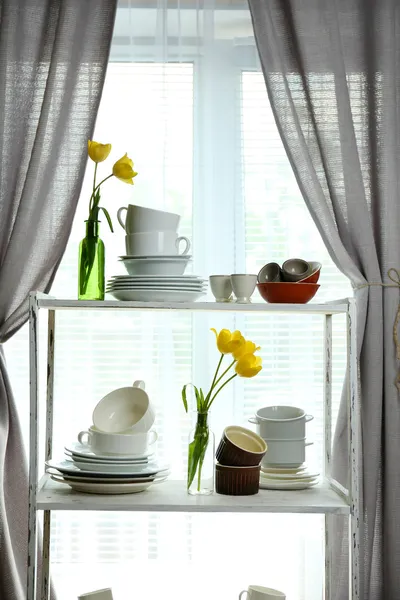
(151, 232)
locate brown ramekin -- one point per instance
(237, 481)
(240, 447)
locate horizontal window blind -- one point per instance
(202, 135)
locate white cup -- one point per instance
(285, 452)
(125, 410)
(117, 443)
(258, 592)
(221, 287)
(281, 422)
(151, 243)
(243, 287)
(140, 218)
(105, 594)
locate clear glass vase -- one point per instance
(201, 452)
(91, 264)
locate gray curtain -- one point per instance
(332, 71)
(53, 58)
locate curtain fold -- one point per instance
(332, 75)
(54, 56)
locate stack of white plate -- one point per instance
(280, 478)
(92, 473)
(157, 288)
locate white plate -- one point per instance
(289, 477)
(283, 470)
(180, 278)
(99, 478)
(81, 450)
(159, 257)
(108, 463)
(157, 285)
(285, 485)
(65, 466)
(156, 295)
(102, 467)
(106, 488)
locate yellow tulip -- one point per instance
(248, 365)
(98, 152)
(123, 169)
(227, 341)
(247, 348)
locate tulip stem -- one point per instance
(216, 382)
(95, 190)
(222, 386)
(94, 177)
(215, 375)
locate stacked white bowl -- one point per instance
(154, 260)
(284, 430)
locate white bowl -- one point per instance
(112, 444)
(156, 265)
(125, 410)
(281, 422)
(285, 452)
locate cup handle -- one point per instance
(139, 384)
(309, 418)
(120, 221)
(84, 437)
(309, 443)
(253, 420)
(241, 593)
(155, 436)
(179, 240)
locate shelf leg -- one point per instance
(354, 447)
(33, 447)
(328, 394)
(45, 579)
(328, 555)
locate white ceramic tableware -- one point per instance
(259, 592)
(221, 287)
(140, 218)
(284, 470)
(281, 422)
(285, 453)
(156, 295)
(104, 594)
(305, 476)
(76, 449)
(157, 265)
(116, 443)
(267, 484)
(125, 410)
(243, 287)
(106, 488)
(155, 242)
(67, 467)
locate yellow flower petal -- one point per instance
(247, 348)
(248, 365)
(123, 169)
(98, 152)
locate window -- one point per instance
(185, 97)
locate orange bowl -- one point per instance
(281, 292)
(315, 273)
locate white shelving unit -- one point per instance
(329, 498)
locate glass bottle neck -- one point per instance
(92, 228)
(202, 419)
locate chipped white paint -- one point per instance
(45, 588)
(328, 499)
(33, 446)
(354, 448)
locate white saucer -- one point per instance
(80, 450)
(268, 484)
(283, 469)
(67, 467)
(106, 488)
(289, 477)
(160, 257)
(156, 295)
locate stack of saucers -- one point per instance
(157, 288)
(279, 478)
(85, 471)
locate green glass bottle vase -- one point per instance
(91, 264)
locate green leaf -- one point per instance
(198, 398)
(202, 401)
(105, 211)
(184, 399)
(197, 452)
